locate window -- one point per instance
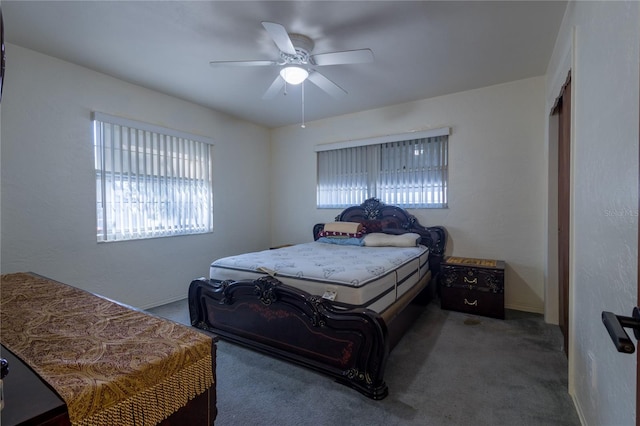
(409, 170)
(150, 181)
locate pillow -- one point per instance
(342, 241)
(346, 227)
(378, 239)
(336, 234)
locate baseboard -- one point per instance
(165, 302)
(576, 404)
(524, 308)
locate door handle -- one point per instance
(615, 325)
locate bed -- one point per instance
(108, 363)
(338, 304)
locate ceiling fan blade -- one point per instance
(242, 63)
(280, 37)
(360, 56)
(274, 89)
(327, 85)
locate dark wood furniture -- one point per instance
(475, 286)
(28, 399)
(350, 345)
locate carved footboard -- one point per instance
(349, 345)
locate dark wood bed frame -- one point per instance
(350, 345)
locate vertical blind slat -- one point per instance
(412, 173)
(150, 184)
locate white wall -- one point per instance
(601, 41)
(48, 183)
(497, 183)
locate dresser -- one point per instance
(28, 400)
(475, 286)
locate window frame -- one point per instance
(374, 161)
(151, 144)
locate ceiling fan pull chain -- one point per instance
(303, 126)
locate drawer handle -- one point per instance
(474, 303)
(473, 281)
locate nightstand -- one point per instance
(475, 286)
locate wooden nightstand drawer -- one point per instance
(473, 285)
(473, 302)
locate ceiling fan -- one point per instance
(297, 64)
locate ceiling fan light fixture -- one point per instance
(294, 75)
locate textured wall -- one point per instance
(497, 191)
(602, 41)
(48, 183)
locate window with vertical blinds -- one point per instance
(150, 181)
(409, 170)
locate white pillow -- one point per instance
(378, 239)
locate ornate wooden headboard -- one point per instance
(393, 220)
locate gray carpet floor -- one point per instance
(449, 369)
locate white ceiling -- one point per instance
(422, 49)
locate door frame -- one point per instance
(561, 244)
(638, 286)
(564, 212)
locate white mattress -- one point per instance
(371, 277)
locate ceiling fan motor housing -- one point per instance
(303, 45)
